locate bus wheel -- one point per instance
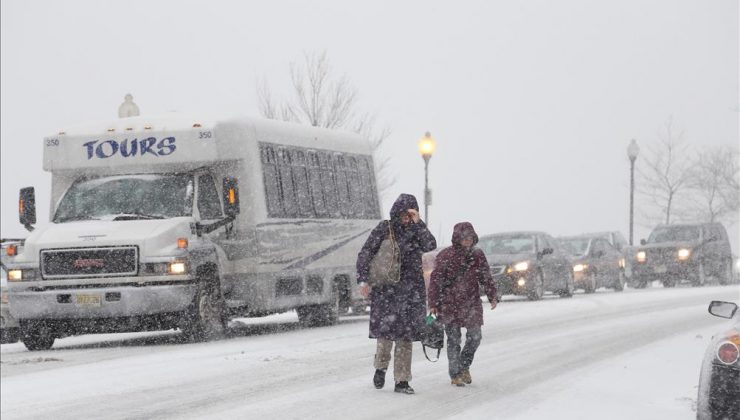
(205, 320)
(37, 338)
(324, 314)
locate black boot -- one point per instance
(404, 388)
(379, 378)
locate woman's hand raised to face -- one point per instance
(414, 215)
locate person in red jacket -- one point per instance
(454, 297)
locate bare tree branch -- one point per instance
(664, 173)
(321, 99)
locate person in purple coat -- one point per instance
(454, 297)
(397, 311)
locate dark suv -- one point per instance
(528, 263)
(692, 252)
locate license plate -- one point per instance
(89, 300)
(661, 269)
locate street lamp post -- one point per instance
(426, 147)
(632, 151)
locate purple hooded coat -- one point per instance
(397, 311)
(455, 295)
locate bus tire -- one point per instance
(37, 338)
(205, 319)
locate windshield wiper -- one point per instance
(74, 219)
(137, 216)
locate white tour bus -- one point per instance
(172, 222)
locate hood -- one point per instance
(403, 203)
(508, 259)
(463, 230)
(673, 244)
(153, 237)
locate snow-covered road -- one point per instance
(609, 355)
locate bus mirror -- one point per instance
(231, 196)
(27, 207)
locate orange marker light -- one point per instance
(232, 196)
(21, 206)
(12, 250)
(182, 243)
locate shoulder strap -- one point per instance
(423, 347)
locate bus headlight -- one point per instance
(684, 254)
(178, 267)
(15, 275)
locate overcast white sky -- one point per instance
(533, 103)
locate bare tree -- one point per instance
(664, 173)
(714, 185)
(320, 98)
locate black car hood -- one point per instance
(674, 244)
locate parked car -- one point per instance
(596, 262)
(9, 328)
(691, 252)
(528, 263)
(719, 379)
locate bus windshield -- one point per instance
(127, 197)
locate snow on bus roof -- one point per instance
(162, 122)
(267, 130)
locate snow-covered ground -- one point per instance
(609, 355)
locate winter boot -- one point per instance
(466, 377)
(404, 388)
(379, 378)
(458, 381)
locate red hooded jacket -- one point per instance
(454, 289)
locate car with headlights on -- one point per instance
(692, 252)
(528, 263)
(719, 378)
(596, 262)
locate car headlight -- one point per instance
(641, 256)
(580, 267)
(684, 253)
(521, 266)
(521, 282)
(622, 263)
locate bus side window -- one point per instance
(287, 189)
(209, 205)
(272, 182)
(329, 185)
(314, 183)
(369, 190)
(340, 173)
(300, 181)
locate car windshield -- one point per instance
(576, 246)
(509, 244)
(674, 234)
(127, 197)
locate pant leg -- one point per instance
(383, 354)
(453, 350)
(473, 337)
(402, 361)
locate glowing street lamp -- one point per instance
(426, 147)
